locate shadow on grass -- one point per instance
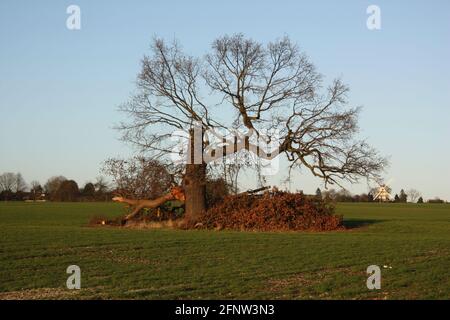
(359, 223)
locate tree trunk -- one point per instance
(195, 190)
(195, 177)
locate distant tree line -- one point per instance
(58, 188)
(138, 178)
(342, 195)
(12, 186)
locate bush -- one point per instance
(272, 211)
(67, 191)
(436, 200)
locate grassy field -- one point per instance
(38, 242)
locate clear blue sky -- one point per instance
(59, 88)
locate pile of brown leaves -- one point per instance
(272, 211)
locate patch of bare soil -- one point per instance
(142, 224)
(138, 222)
(40, 294)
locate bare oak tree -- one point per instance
(138, 177)
(8, 181)
(413, 195)
(12, 182)
(52, 185)
(244, 84)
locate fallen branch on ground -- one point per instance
(175, 193)
(253, 191)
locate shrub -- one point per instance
(436, 200)
(67, 191)
(272, 211)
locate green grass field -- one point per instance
(38, 242)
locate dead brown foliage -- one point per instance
(272, 211)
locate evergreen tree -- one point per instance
(403, 196)
(318, 193)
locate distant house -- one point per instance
(382, 194)
(36, 198)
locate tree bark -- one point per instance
(195, 177)
(195, 190)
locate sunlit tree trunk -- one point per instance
(195, 177)
(195, 189)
